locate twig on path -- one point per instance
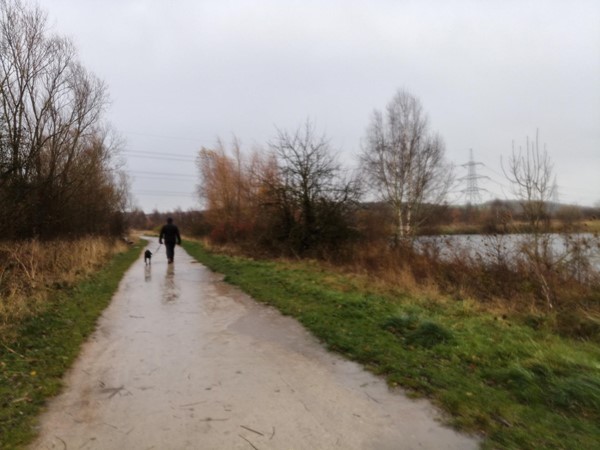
(305, 407)
(87, 442)
(253, 446)
(63, 442)
(114, 391)
(250, 429)
(273, 435)
(372, 398)
(192, 404)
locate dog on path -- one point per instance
(147, 257)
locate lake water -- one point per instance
(506, 248)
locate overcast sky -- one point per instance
(184, 72)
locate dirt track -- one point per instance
(180, 360)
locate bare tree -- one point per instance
(404, 161)
(312, 195)
(50, 123)
(530, 172)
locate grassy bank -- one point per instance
(518, 385)
(37, 351)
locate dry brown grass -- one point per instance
(591, 226)
(498, 288)
(29, 270)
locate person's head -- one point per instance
(169, 220)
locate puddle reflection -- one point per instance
(147, 273)
(171, 290)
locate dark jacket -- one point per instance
(170, 234)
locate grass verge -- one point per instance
(33, 362)
(518, 386)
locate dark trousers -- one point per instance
(170, 246)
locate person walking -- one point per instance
(170, 234)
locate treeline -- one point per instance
(295, 197)
(192, 222)
(373, 219)
(507, 216)
(57, 156)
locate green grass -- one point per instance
(518, 387)
(32, 365)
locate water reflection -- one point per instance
(171, 290)
(147, 273)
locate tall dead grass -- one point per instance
(30, 270)
(495, 279)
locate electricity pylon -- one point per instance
(472, 191)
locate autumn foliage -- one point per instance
(290, 199)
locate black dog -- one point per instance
(148, 257)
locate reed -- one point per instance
(30, 270)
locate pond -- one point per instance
(505, 248)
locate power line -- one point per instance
(159, 156)
(158, 176)
(164, 194)
(174, 174)
(162, 136)
(147, 152)
(495, 172)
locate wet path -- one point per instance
(180, 360)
